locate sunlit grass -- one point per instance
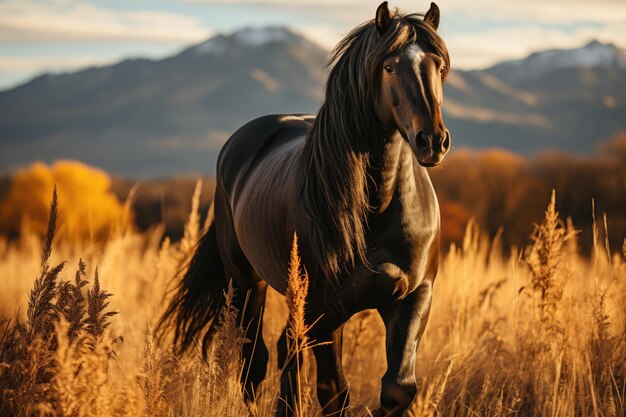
(535, 332)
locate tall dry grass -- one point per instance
(537, 332)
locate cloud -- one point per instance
(478, 33)
(325, 36)
(17, 69)
(487, 47)
(69, 21)
(485, 44)
(43, 35)
(541, 11)
(548, 12)
(30, 64)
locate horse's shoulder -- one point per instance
(254, 139)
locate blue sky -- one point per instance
(63, 35)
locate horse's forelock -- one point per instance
(358, 58)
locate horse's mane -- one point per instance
(337, 150)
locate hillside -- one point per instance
(161, 117)
(568, 100)
(144, 117)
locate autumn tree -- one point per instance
(88, 210)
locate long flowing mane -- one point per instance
(338, 149)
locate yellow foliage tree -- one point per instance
(88, 210)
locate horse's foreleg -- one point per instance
(404, 322)
(332, 388)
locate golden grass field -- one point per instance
(538, 331)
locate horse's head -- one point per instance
(411, 83)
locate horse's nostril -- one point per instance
(445, 143)
(421, 141)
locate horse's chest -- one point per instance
(403, 251)
(405, 232)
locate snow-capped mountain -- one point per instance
(144, 117)
(593, 55)
(248, 38)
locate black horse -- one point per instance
(351, 183)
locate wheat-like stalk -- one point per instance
(297, 327)
(295, 296)
(192, 226)
(555, 348)
(225, 373)
(427, 403)
(98, 318)
(47, 370)
(545, 258)
(152, 380)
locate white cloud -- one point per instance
(22, 21)
(325, 36)
(63, 23)
(544, 11)
(480, 49)
(490, 30)
(522, 26)
(17, 69)
(541, 11)
(31, 64)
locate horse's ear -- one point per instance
(383, 17)
(432, 16)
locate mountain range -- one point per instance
(144, 117)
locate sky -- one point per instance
(39, 36)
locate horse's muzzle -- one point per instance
(431, 147)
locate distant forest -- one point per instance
(500, 189)
(496, 188)
(503, 192)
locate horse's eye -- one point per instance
(443, 69)
(389, 69)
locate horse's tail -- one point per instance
(198, 297)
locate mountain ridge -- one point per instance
(144, 117)
(593, 54)
(277, 33)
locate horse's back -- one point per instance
(257, 176)
(256, 138)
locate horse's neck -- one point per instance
(396, 172)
